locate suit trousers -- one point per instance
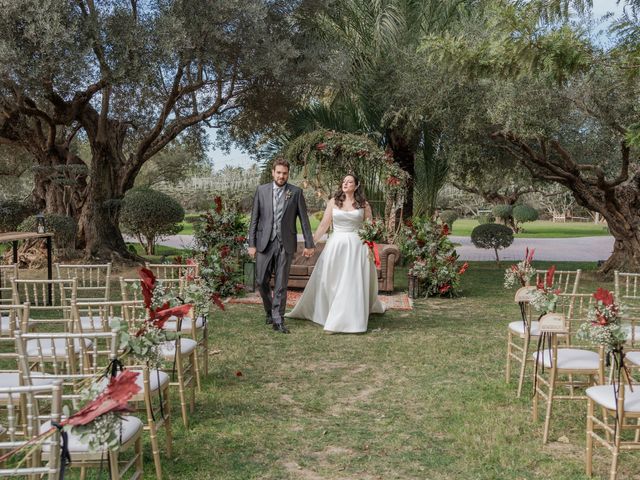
(276, 260)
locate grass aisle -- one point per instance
(420, 396)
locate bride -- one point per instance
(343, 288)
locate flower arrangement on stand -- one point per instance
(373, 232)
(603, 326)
(520, 274)
(433, 258)
(221, 252)
(545, 298)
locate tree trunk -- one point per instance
(404, 155)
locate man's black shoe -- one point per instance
(280, 327)
(269, 321)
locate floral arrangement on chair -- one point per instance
(604, 327)
(520, 273)
(545, 297)
(373, 232)
(433, 257)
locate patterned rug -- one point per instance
(395, 301)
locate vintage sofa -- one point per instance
(302, 267)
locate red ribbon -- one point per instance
(373, 246)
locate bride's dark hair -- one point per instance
(360, 201)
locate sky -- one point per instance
(238, 158)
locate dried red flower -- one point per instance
(604, 296)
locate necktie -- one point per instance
(279, 209)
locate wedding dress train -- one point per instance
(343, 288)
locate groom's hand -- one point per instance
(308, 252)
(252, 252)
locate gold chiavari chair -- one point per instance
(519, 335)
(154, 394)
(179, 356)
(55, 356)
(93, 281)
(25, 413)
(188, 271)
(44, 314)
(564, 371)
(7, 272)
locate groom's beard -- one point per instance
(280, 183)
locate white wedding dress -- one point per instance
(343, 287)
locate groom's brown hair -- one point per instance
(281, 161)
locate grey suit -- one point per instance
(276, 255)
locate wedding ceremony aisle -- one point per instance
(421, 395)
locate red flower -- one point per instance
(529, 255)
(218, 202)
(240, 239)
(393, 181)
(160, 316)
(114, 398)
(177, 259)
(463, 268)
(549, 277)
(604, 296)
(224, 251)
(444, 288)
(445, 229)
(321, 146)
(148, 284)
(215, 298)
(238, 373)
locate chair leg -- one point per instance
(155, 449)
(616, 448)
(114, 470)
(192, 404)
(182, 393)
(509, 350)
(205, 349)
(139, 459)
(195, 365)
(523, 366)
(589, 451)
(167, 422)
(547, 419)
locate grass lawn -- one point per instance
(540, 229)
(420, 396)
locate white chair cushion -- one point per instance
(12, 379)
(168, 349)
(130, 425)
(604, 395)
(58, 343)
(154, 376)
(172, 324)
(631, 329)
(93, 324)
(633, 357)
(4, 325)
(571, 359)
(518, 327)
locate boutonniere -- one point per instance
(287, 195)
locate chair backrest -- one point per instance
(93, 281)
(74, 358)
(27, 409)
(575, 307)
(131, 290)
(566, 280)
(13, 317)
(36, 292)
(98, 316)
(164, 271)
(7, 272)
(627, 294)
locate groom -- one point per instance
(273, 240)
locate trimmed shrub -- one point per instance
(524, 213)
(13, 213)
(503, 212)
(449, 216)
(492, 235)
(486, 218)
(63, 228)
(150, 215)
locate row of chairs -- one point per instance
(83, 311)
(565, 367)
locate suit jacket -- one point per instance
(262, 218)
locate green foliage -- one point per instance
(149, 215)
(221, 251)
(448, 217)
(524, 213)
(433, 258)
(63, 228)
(431, 172)
(13, 213)
(486, 218)
(503, 212)
(492, 235)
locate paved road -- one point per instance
(586, 249)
